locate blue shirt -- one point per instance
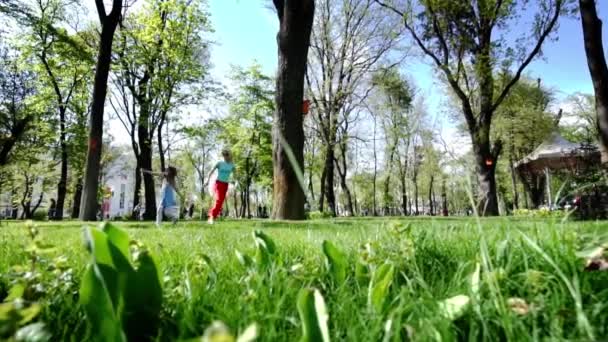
(224, 170)
(168, 196)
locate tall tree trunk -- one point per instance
(322, 189)
(329, 179)
(161, 150)
(416, 194)
(444, 199)
(592, 33)
(149, 189)
(91, 176)
(137, 189)
(293, 39)
(387, 180)
(485, 160)
(431, 211)
(77, 198)
(375, 176)
(63, 177)
(311, 188)
(514, 185)
(403, 196)
(343, 173)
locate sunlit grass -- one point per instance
(434, 259)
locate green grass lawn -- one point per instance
(434, 259)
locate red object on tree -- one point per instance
(305, 106)
(489, 162)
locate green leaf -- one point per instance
(29, 313)
(113, 265)
(95, 299)
(244, 259)
(454, 307)
(143, 303)
(379, 286)
(475, 279)
(313, 315)
(265, 249)
(118, 238)
(15, 292)
(337, 262)
(362, 273)
(268, 242)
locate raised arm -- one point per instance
(158, 174)
(211, 172)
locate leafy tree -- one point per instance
(109, 22)
(247, 131)
(18, 110)
(293, 38)
(65, 74)
(466, 43)
(31, 171)
(161, 66)
(202, 141)
(525, 107)
(398, 123)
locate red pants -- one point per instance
(220, 195)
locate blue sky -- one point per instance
(245, 30)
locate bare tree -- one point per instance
(349, 39)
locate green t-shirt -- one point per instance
(224, 170)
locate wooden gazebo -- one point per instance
(558, 154)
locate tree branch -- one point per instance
(546, 32)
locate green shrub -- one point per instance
(317, 215)
(40, 215)
(540, 213)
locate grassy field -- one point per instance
(532, 285)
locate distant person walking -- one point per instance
(167, 205)
(224, 169)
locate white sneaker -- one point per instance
(210, 220)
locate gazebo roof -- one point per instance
(556, 153)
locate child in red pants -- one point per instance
(224, 169)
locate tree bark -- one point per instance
(329, 180)
(161, 150)
(77, 198)
(293, 39)
(343, 173)
(485, 160)
(387, 180)
(375, 176)
(415, 180)
(63, 178)
(592, 33)
(137, 189)
(431, 211)
(145, 161)
(91, 176)
(322, 189)
(444, 199)
(514, 185)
